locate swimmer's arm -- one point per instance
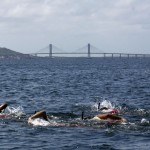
(2, 107)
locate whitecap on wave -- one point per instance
(144, 121)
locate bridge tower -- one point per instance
(89, 53)
(50, 50)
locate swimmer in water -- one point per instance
(40, 114)
(106, 117)
(41, 119)
(3, 107)
(110, 118)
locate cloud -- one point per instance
(74, 12)
(82, 19)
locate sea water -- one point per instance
(64, 88)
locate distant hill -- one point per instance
(7, 53)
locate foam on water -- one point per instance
(40, 122)
(144, 121)
(17, 112)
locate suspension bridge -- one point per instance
(89, 51)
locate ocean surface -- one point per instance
(64, 88)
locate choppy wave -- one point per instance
(65, 88)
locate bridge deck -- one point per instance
(97, 53)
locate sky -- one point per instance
(121, 26)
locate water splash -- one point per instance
(144, 121)
(108, 107)
(107, 104)
(17, 112)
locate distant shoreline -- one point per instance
(7, 53)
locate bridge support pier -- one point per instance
(104, 55)
(89, 53)
(120, 55)
(50, 51)
(136, 55)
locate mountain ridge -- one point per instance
(7, 53)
